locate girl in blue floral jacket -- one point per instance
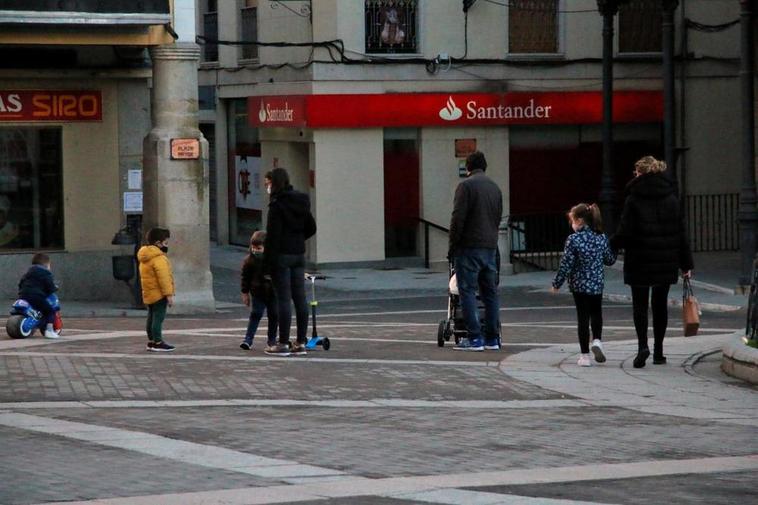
(586, 251)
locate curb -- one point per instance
(675, 302)
(740, 360)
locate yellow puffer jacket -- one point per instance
(155, 273)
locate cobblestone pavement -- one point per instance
(385, 417)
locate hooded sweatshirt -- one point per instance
(651, 232)
(290, 223)
(155, 274)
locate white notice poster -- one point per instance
(135, 179)
(249, 189)
(133, 201)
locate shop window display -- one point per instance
(246, 173)
(31, 214)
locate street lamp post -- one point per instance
(748, 214)
(667, 34)
(607, 197)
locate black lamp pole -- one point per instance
(748, 214)
(669, 101)
(607, 197)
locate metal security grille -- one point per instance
(712, 222)
(640, 26)
(537, 240)
(391, 26)
(533, 26)
(249, 25)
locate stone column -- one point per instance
(176, 191)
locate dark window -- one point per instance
(249, 28)
(391, 26)
(640, 26)
(210, 31)
(533, 26)
(85, 12)
(31, 197)
(106, 6)
(206, 97)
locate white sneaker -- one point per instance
(51, 334)
(584, 360)
(597, 350)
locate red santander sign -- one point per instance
(452, 109)
(50, 105)
(273, 111)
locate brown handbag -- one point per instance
(690, 310)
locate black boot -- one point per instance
(642, 356)
(658, 357)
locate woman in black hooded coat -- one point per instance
(289, 224)
(652, 234)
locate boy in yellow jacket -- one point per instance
(157, 286)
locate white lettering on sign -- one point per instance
(507, 111)
(283, 114)
(10, 103)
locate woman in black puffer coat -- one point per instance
(290, 223)
(651, 232)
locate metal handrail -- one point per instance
(427, 225)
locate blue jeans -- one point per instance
(476, 268)
(289, 284)
(257, 306)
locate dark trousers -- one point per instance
(259, 305)
(41, 305)
(589, 311)
(659, 303)
(156, 313)
(477, 269)
(289, 284)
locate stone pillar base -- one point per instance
(176, 190)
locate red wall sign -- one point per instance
(50, 105)
(452, 109)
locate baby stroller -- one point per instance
(454, 325)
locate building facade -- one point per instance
(76, 79)
(373, 105)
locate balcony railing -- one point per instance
(391, 26)
(210, 31)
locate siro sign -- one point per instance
(50, 105)
(452, 109)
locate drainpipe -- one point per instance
(748, 214)
(607, 197)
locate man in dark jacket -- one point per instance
(651, 232)
(477, 210)
(290, 223)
